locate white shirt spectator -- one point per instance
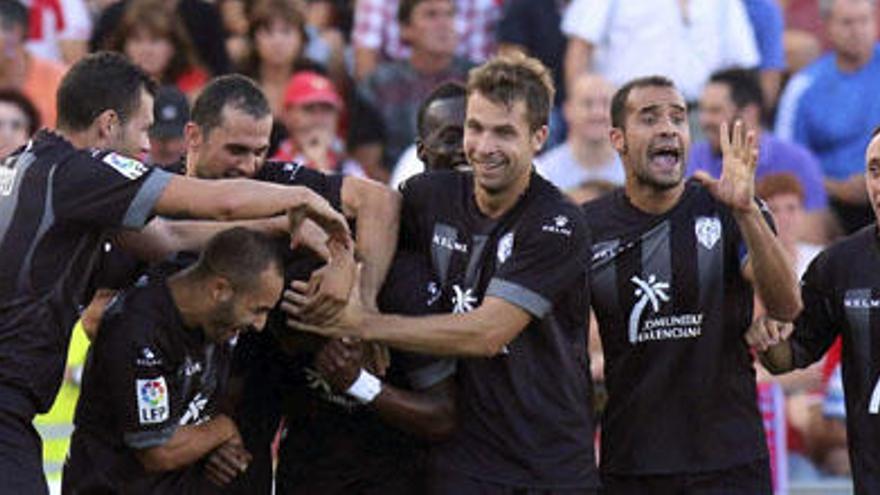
(634, 38)
(74, 24)
(559, 166)
(376, 27)
(407, 166)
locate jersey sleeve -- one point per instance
(818, 324)
(107, 189)
(543, 255)
(139, 378)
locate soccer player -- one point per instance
(348, 430)
(841, 292)
(58, 196)
(227, 137)
(510, 253)
(150, 404)
(672, 272)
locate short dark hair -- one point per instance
(876, 131)
(234, 90)
(619, 100)
(516, 77)
(13, 13)
(406, 8)
(744, 86)
(17, 98)
(101, 81)
(445, 91)
(240, 255)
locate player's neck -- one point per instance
(80, 139)
(497, 203)
(188, 298)
(651, 199)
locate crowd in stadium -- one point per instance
(439, 246)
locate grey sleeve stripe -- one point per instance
(143, 203)
(432, 374)
(527, 299)
(147, 439)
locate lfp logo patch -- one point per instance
(152, 399)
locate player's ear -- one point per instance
(617, 139)
(539, 137)
(193, 136)
(105, 124)
(221, 290)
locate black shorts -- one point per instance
(749, 479)
(21, 450)
(449, 482)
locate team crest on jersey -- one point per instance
(128, 167)
(505, 247)
(708, 231)
(152, 400)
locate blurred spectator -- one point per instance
(580, 194)
(736, 94)
(377, 35)
(34, 76)
(825, 437)
(766, 19)
(154, 39)
(200, 18)
(278, 36)
(785, 198)
(440, 141)
(685, 40)
(59, 29)
(535, 28)
(236, 23)
(18, 120)
(396, 89)
(824, 108)
(311, 115)
(801, 49)
(587, 154)
(170, 115)
(326, 43)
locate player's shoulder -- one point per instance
(849, 252)
(435, 184)
(139, 314)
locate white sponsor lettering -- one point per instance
(448, 243)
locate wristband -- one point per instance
(365, 388)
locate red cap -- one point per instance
(310, 87)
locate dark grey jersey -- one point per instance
(525, 415)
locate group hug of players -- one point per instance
(479, 281)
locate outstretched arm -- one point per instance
(767, 268)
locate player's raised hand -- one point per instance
(739, 150)
(765, 332)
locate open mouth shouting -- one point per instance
(665, 158)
